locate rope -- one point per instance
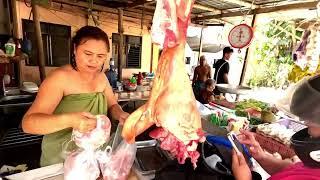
(246, 14)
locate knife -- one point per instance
(117, 137)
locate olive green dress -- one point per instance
(55, 145)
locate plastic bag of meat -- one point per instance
(117, 165)
(83, 163)
(95, 138)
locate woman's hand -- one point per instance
(240, 169)
(248, 139)
(123, 117)
(82, 121)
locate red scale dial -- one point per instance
(240, 36)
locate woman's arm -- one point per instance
(273, 165)
(267, 161)
(114, 109)
(39, 118)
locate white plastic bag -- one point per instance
(117, 166)
(82, 164)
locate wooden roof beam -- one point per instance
(197, 6)
(242, 3)
(137, 3)
(101, 8)
(205, 8)
(295, 6)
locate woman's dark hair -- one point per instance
(210, 82)
(82, 35)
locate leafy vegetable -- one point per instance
(251, 103)
(241, 113)
(219, 119)
(255, 121)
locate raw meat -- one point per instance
(172, 104)
(82, 163)
(95, 138)
(170, 143)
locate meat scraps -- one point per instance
(172, 104)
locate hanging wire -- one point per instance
(317, 10)
(54, 13)
(246, 13)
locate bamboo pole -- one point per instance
(200, 45)
(41, 61)
(294, 36)
(245, 62)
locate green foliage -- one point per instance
(272, 58)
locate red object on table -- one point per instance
(140, 78)
(224, 103)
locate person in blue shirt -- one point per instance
(112, 75)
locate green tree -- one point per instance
(272, 59)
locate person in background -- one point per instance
(200, 75)
(306, 142)
(72, 95)
(206, 94)
(222, 68)
(112, 75)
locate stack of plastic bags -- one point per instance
(89, 161)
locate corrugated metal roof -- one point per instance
(205, 7)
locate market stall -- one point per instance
(272, 128)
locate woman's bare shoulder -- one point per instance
(102, 77)
(63, 72)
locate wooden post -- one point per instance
(151, 59)
(16, 35)
(200, 46)
(41, 61)
(120, 49)
(15, 19)
(245, 61)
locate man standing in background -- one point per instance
(201, 74)
(222, 68)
